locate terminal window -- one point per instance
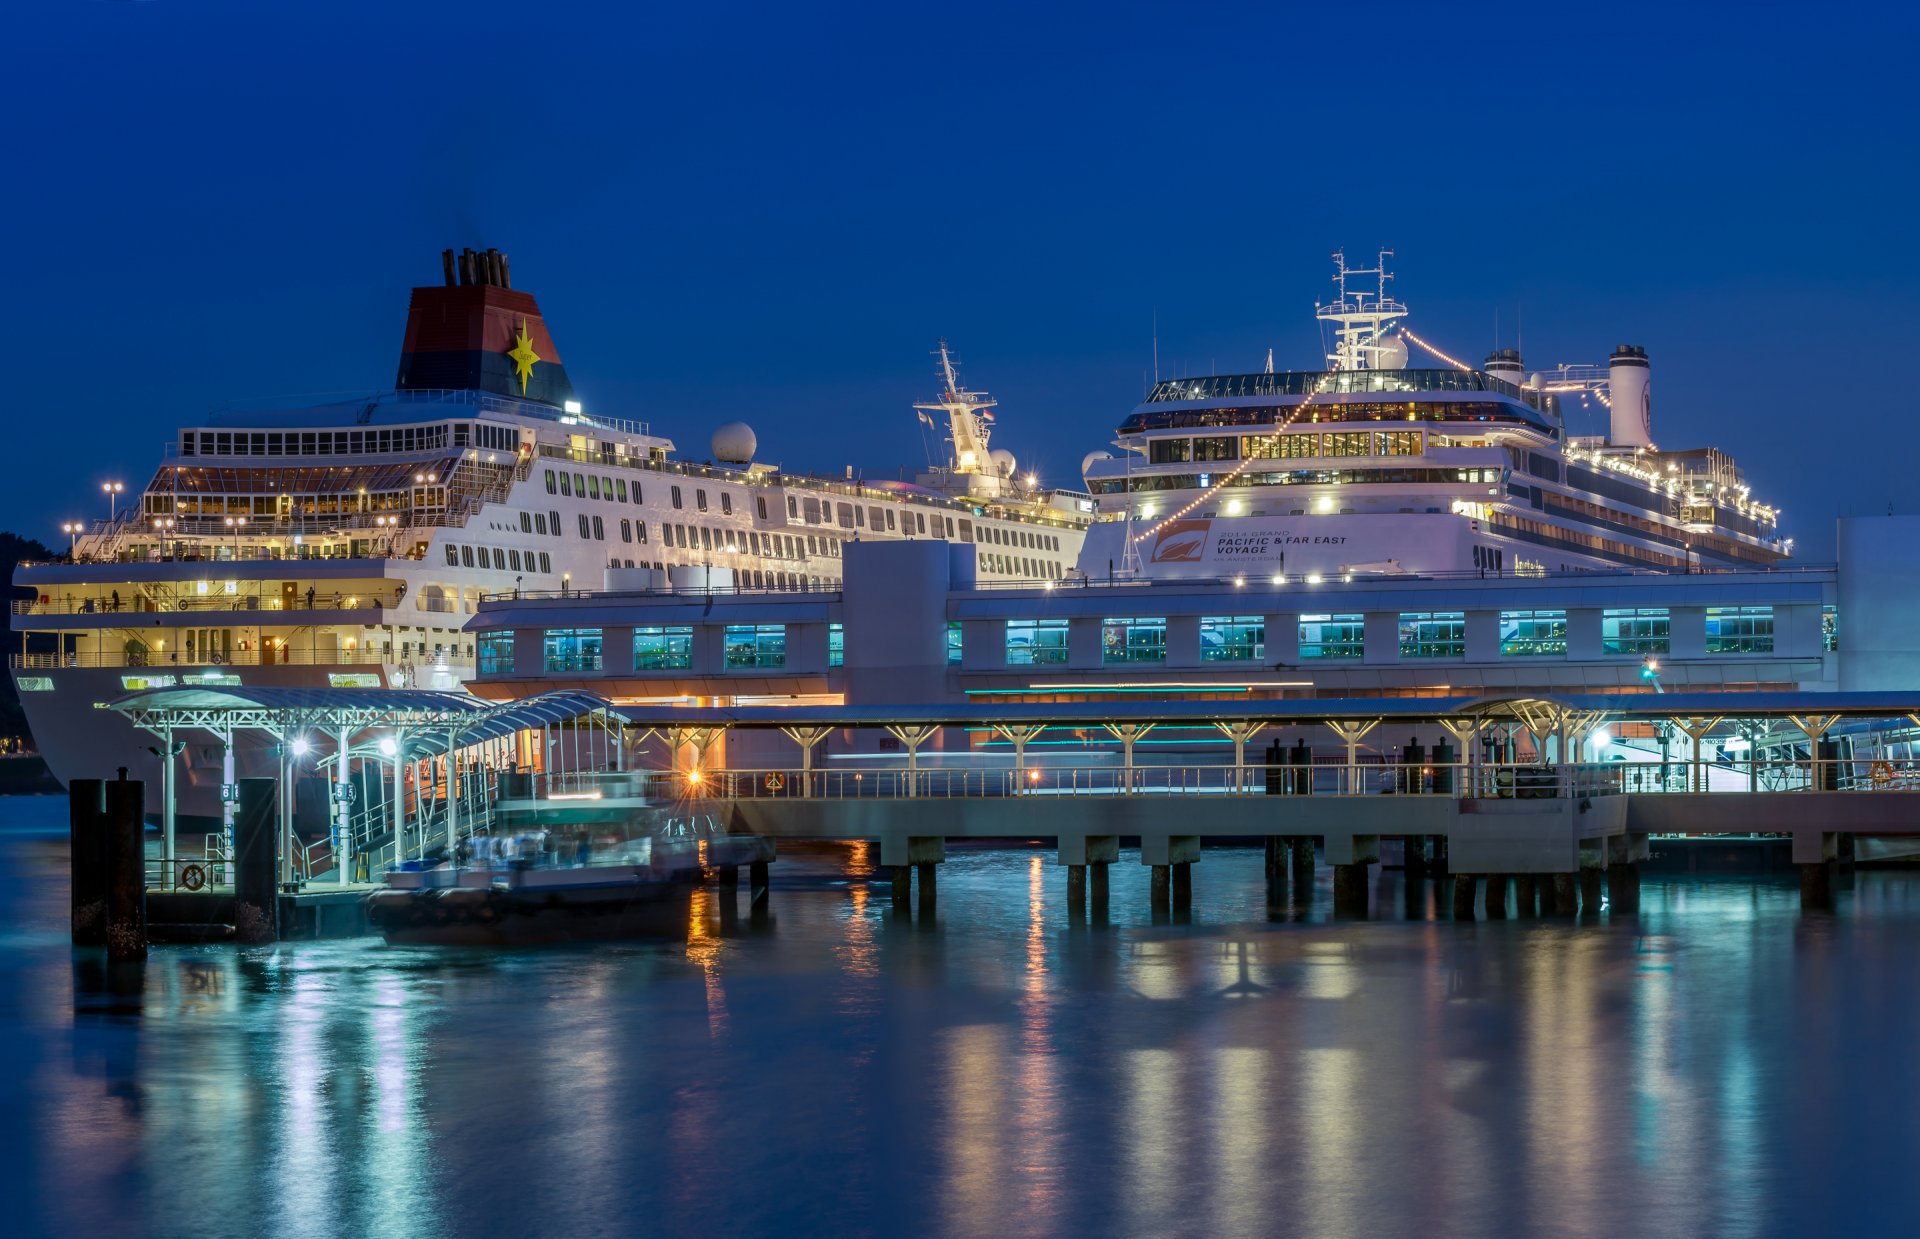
(1739, 630)
(1233, 638)
(1036, 643)
(1529, 633)
(836, 645)
(496, 653)
(1641, 630)
(762, 646)
(663, 648)
(1332, 636)
(1433, 634)
(573, 649)
(1133, 640)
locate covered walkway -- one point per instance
(454, 746)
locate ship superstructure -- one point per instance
(347, 544)
(1371, 467)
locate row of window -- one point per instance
(321, 443)
(1423, 634)
(1296, 477)
(1284, 446)
(1143, 639)
(509, 559)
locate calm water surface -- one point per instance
(1723, 1065)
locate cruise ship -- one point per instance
(1369, 467)
(346, 545)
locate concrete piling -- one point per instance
(126, 839)
(929, 888)
(87, 818)
(1526, 895)
(1183, 886)
(1076, 888)
(1590, 882)
(1160, 895)
(1463, 888)
(729, 875)
(256, 851)
(1097, 881)
(1566, 894)
(1303, 866)
(902, 883)
(1623, 888)
(1816, 886)
(759, 881)
(1496, 900)
(1350, 889)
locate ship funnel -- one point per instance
(1629, 382)
(1504, 363)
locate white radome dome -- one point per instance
(734, 443)
(1002, 460)
(1393, 352)
(1091, 459)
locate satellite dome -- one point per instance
(1003, 462)
(734, 443)
(1091, 459)
(1393, 352)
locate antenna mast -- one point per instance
(968, 419)
(1361, 320)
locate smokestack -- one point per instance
(493, 267)
(506, 273)
(466, 267)
(1628, 380)
(446, 266)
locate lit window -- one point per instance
(1037, 643)
(1233, 638)
(1739, 630)
(572, 649)
(1433, 634)
(1641, 630)
(953, 644)
(662, 649)
(1332, 636)
(761, 646)
(496, 653)
(836, 645)
(1525, 634)
(1137, 640)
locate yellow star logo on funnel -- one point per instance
(523, 356)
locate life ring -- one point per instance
(193, 877)
(775, 781)
(1881, 773)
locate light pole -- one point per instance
(236, 524)
(73, 530)
(112, 490)
(164, 526)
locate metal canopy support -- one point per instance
(806, 738)
(1814, 726)
(1696, 729)
(399, 798)
(453, 798)
(168, 797)
(1353, 731)
(343, 812)
(1128, 734)
(1465, 733)
(701, 738)
(913, 735)
(1019, 735)
(1240, 732)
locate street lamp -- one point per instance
(73, 530)
(112, 490)
(164, 526)
(236, 524)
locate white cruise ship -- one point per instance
(1371, 468)
(348, 544)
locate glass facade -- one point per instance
(1829, 629)
(761, 646)
(1635, 630)
(1739, 630)
(1037, 643)
(573, 649)
(1233, 638)
(1332, 636)
(1433, 634)
(496, 653)
(953, 645)
(1132, 640)
(836, 645)
(663, 649)
(1528, 633)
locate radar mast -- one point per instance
(969, 424)
(1361, 319)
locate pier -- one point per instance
(1502, 798)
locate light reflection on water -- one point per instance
(1723, 1066)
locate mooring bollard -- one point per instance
(87, 819)
(126, 831)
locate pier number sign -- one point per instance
(229, 793)
(344, 793)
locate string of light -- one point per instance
(1228, 479)
(1455, 362)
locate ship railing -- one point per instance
(141, 604)
(1254, 580)
(720, 591)
(171, 661)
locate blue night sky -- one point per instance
(770, 212)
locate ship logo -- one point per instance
(1181, 542)
(523, 356)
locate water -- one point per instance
(1724, 1066)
